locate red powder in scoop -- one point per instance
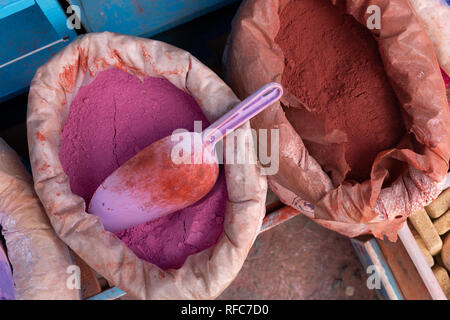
(111, 120)
(332, 65)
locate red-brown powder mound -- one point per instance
(333, 66)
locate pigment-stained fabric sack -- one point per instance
(434, 15)
(204, 275)
(39, 259)
(252, 58)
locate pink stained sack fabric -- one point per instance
(434, 15)
(204, 275)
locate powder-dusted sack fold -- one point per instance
(39, 259)
(434, 15)
(378, 205)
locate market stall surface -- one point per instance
(296, 260)
(299, 259)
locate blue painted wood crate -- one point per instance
(141, 17)
(32, 32)
(374, 263)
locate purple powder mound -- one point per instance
(111, 120)
(6, 278)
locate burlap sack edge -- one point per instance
(204, 275)
(251, 45)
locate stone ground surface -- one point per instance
(300, 260)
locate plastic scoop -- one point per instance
(172, 173)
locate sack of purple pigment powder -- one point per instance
(94, 106)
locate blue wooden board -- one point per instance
(109, 294)
(142, 17)
(9, 7)
(30, 27)
(367, 260)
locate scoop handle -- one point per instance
(247, 109)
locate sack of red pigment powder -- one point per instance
(115, 87)
(40, 260)
(364, 122)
